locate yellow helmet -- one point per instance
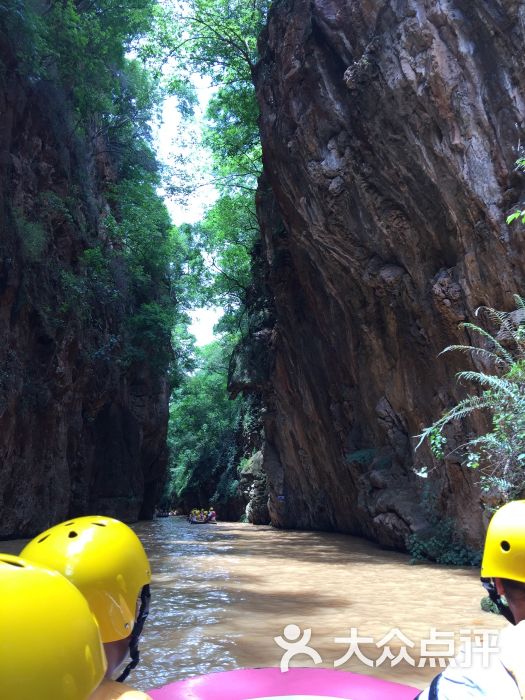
(504, 553)
(50, 646)
(105, 559)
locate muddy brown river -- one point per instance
(221, 593)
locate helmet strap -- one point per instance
(134, 653)
(490, 587)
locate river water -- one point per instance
(221, 593)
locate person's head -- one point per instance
(106, 561)
(503, 565)
(50, 645)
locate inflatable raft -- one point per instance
(194, 521)
(272, 684)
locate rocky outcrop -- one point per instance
(389, 130)
(254, 485)
(81, 429)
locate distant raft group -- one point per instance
(198, 516)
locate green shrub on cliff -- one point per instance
(149, 338)
(32, 235)
(441, 543)
(126, 264)
(518, 214)
(499, 454)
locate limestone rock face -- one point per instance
(80, 432)
(254, 485)
(390, 129)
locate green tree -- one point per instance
(218, 40)
(202, 432)
(80, 45)
(222, 243)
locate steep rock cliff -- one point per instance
(80, 430)
(390, 130)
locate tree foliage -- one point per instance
(80, 45)
(218, 40)
(220, 262)
(202, 431)
(83, 50)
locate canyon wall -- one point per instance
(390, 129)
(82, 428)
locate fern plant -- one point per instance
(499, 454)
(518, 214)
